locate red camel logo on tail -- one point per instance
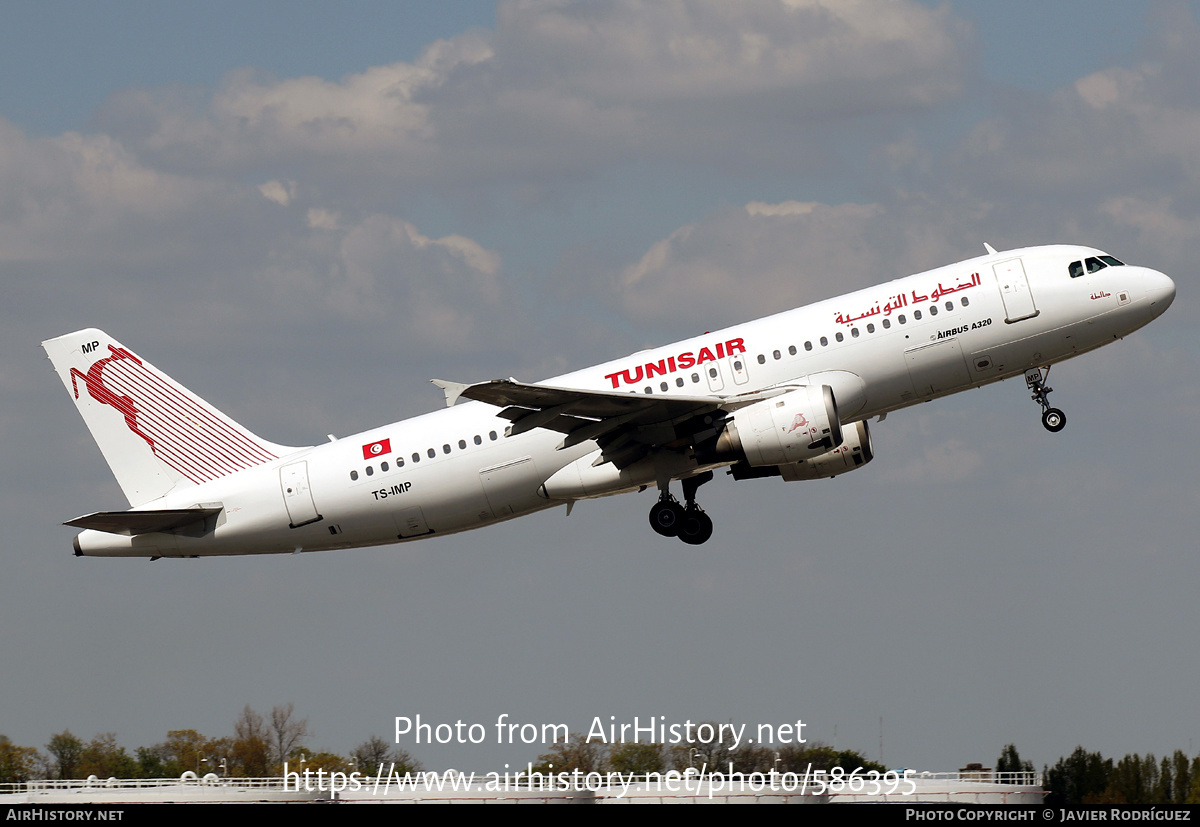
(97, 390)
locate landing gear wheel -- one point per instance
(696, 527)
(1054, 420)
(666, 517)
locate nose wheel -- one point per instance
(689, 523)
(1053, 420)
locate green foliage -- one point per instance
(368, 756)
(17, 764)
(67, 750)
(575, 754)
(1010, 761)
(639, 758)
(1080, 776)
(104, 758)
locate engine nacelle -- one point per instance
(796, 426)
(854, 452)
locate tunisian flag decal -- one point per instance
(375, 449)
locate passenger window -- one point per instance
(353, 475)
(932, 310)
(431, 453)
(870, 328)
(762, 360)
(839, 336)
(399, 462)
(917, 315)
(679, 382)
(370, 471)
(824, 342)
(383, 466)
(462, 445)
(808, 345)
(965, 301)
(854, 332)
(949, 305)
(478, 439)
(887, 323)
(901, 319)
(416, 457)
(695, 377)
(662, 386)
(492, 435)
(777, 355)
(446, 448)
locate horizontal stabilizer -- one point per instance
(131, 523)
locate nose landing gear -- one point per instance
(690, 524)
(1053, 419)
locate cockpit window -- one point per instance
(1094, 264)
(1112, 262)
(1076, 269)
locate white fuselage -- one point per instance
(879, 349)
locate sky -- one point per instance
(304, 211)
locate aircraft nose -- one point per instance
(1160, 290)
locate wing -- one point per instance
(626, 425)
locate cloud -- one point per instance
(562, 88)
(741, 263)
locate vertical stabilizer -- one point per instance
(155, 433)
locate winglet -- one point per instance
(991, 250)
(453, 390)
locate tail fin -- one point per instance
(154, 432)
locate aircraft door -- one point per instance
(1014, 290)
(712, 370)
(297, 496)
(737, 367)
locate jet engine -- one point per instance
(799, 425)
(854, 452)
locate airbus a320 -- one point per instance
(785, 396)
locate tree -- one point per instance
(66, 749)
(288, 730)
(638, 758)
(104, 758)
(303, 758)
(575, 753)
(250, 754)
(1010, 762)
(370, 754)
(1081, 775)
(17, 764)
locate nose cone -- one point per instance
(1160, 290)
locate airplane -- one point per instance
(785, 396)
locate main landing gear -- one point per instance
(1053, 419)
(689, 523)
